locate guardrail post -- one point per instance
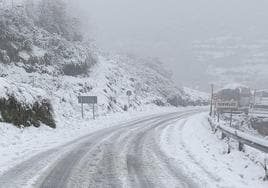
(229, 147)
(241, 146)
(264, 165)
(82, 110)
(231, 118)
(93, 111)
(266, 170)
(223, 135)
(214, 130)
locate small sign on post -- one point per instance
(129, 93)
(227, 105)
(87, 100)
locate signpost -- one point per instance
(227, 105)
(129, 93)
(211, 100)
(87, 100)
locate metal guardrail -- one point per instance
(235, 135)
(245, 141)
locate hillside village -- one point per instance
(251, 110)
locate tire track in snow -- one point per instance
(25, 172)
(193, 161)
(122, 156)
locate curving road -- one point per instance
(128, 155)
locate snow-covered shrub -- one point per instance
(80, 68)
(14, 35)
(53, 17)
(260, 125)
(4, 57)
(23, 105)
(74, 69)
(19, 114)
(176, 100)
(158, 102)
(25, 39)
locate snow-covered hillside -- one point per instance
(55, 61)
(109, 79)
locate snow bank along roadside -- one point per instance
(17, 145)
(191, 142)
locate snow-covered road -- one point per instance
(128, 155)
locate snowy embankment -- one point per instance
(17, 145)
(193, 141)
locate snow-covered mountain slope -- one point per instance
(109, 79)
(62, 68)
(24, 40)
(194, 95)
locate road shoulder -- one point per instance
(193, 146)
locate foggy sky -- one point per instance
(167, 28)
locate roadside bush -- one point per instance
(176, 101)
(4, 57)
(125, 108)
(159, 102)
(260, 126)
(73, 69)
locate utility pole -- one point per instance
(231, 118)
(82, 110)
(211, 101)
(254, 97)
(129, 93)
(93, 111)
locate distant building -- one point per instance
(260, 105)
(241, 94)
(261, 97)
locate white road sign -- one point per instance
(227, 105)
